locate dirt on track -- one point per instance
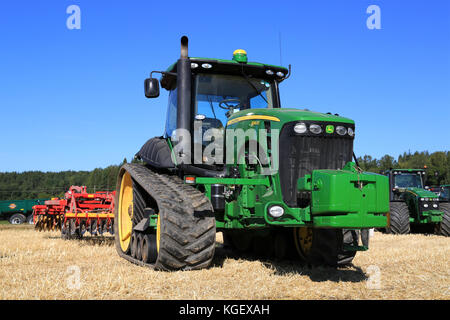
(36, 265)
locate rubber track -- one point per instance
(399, 217)
(188, 228)
(444, 228)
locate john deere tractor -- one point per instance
(443, 192)
(275, 181)
(412, 205)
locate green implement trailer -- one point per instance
(412, 205)
(19, 211)
(275, 181)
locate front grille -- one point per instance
(300, 155)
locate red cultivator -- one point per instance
(79, 212)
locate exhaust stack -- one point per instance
(184, 47)
(184, 78)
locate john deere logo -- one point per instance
(329, 129)
(12, 206)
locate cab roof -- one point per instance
(230, 67)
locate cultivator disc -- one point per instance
(48, 222)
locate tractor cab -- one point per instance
(402, 179)
(221, 88)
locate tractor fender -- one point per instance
(156, 152)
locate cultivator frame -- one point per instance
(79, 212)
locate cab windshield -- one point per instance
(217, 97)
(408, 180)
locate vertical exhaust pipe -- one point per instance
(184, 87)
(184, 108)
(184, 47)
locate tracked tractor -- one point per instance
(411, 205)
(275, 181)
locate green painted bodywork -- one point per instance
(412, 195)
(8, 207)
(346, 198)
(412, 198)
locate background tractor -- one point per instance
(412, 205)
(300, 194)
(443, 192)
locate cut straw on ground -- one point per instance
(36, 265)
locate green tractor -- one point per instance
(276, 182)
(412, 205)
(443, 192)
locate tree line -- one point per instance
(436, 165)
(40, 185)
(37, 184)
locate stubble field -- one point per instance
(36, 265)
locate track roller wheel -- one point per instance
(133, 245)
(149, 250)
(139, 246)
(323, 246)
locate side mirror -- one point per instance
(151, 86)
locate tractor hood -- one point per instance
(280, 116)
(422, 193)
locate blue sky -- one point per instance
(73, 99)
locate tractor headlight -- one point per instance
(300, 128)
(206, 66)
(422, 199)
(315, 128)
(280, 74)
(276, 211)
(350, 132)
(435, 205)
(425, 205)
(269, 72)
(341, 130)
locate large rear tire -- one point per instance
(398, 219)
(324, 247)
(444, 226)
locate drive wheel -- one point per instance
(398, 218)
(444, 226)
(323, 246)
(123, 223)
